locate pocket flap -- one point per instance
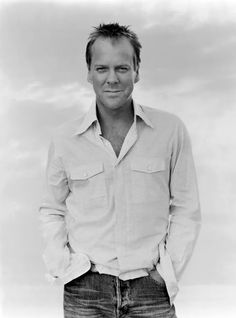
(148, 165)
(87, 171)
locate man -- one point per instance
(121, 215)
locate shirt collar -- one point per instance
(88, 119)
(139, 111)
(91, 117)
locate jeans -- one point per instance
(99, 295)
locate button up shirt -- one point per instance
(126, 214)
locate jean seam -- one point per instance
(118, 296)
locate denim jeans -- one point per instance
(97, 295)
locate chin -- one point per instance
(113, 104)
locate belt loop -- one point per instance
(118, 296)
(93, 268)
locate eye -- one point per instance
(100, 69)
(123, 69)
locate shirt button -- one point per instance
(149, 167)
(125, 309)
(85, 174)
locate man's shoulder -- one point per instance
(69, 128)
(158, 116)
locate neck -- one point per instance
(109, 118)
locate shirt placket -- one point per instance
(120, 192)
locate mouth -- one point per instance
(112, 92)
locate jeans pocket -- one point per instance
(79, 282)
(156, 278)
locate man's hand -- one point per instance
(156, 276)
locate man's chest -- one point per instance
(83, 149)
(116, 143)
(116, 139)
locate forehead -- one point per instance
(106, 50)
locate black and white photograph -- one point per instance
(118, 136)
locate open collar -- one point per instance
(91, 117)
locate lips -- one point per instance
(112, 91)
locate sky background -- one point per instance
(188, 68)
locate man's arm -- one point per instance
(52, 216)
(185, 214)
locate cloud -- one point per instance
(191, 13)
(221, 44)
(203, 7)
(171, 54)
(61, 96)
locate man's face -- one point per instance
(112, 72)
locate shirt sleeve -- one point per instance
(52, 216)
(185, 217)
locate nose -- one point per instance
(112, 77)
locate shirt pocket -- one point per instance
(148, 179)
(87, 184)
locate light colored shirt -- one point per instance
(126, 214)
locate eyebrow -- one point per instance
(104, 65)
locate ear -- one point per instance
(136, 79)
(89, 77)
